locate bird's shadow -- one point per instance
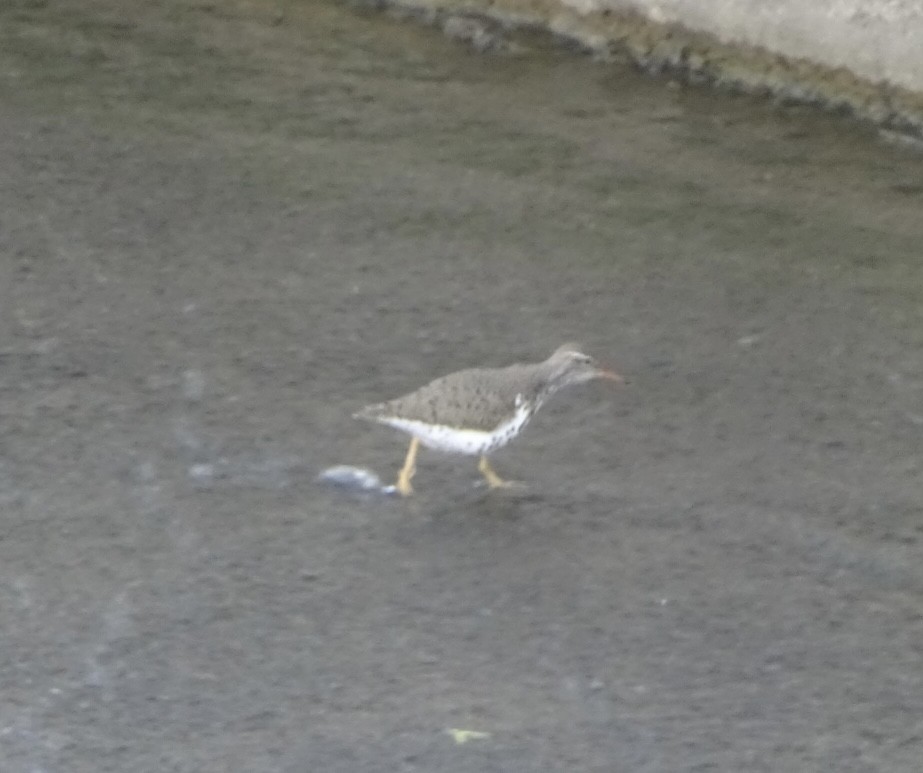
(507, 504)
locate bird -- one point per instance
(479, 410)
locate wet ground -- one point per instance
(224, 227)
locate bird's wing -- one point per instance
(473, 399)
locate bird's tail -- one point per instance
(370, 412)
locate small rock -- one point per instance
(473, 32)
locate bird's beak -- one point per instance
(610, 375)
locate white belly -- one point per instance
(464, 441)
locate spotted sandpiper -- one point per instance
(477, 411)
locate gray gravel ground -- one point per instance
(224, 227)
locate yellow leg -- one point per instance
(403, 478)
(494, 480)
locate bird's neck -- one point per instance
(545, 385)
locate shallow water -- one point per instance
(227, 228)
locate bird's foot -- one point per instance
(494, 481)
(506, 484)
(403, 486)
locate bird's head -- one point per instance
(568, 365)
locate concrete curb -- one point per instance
(670, 48)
